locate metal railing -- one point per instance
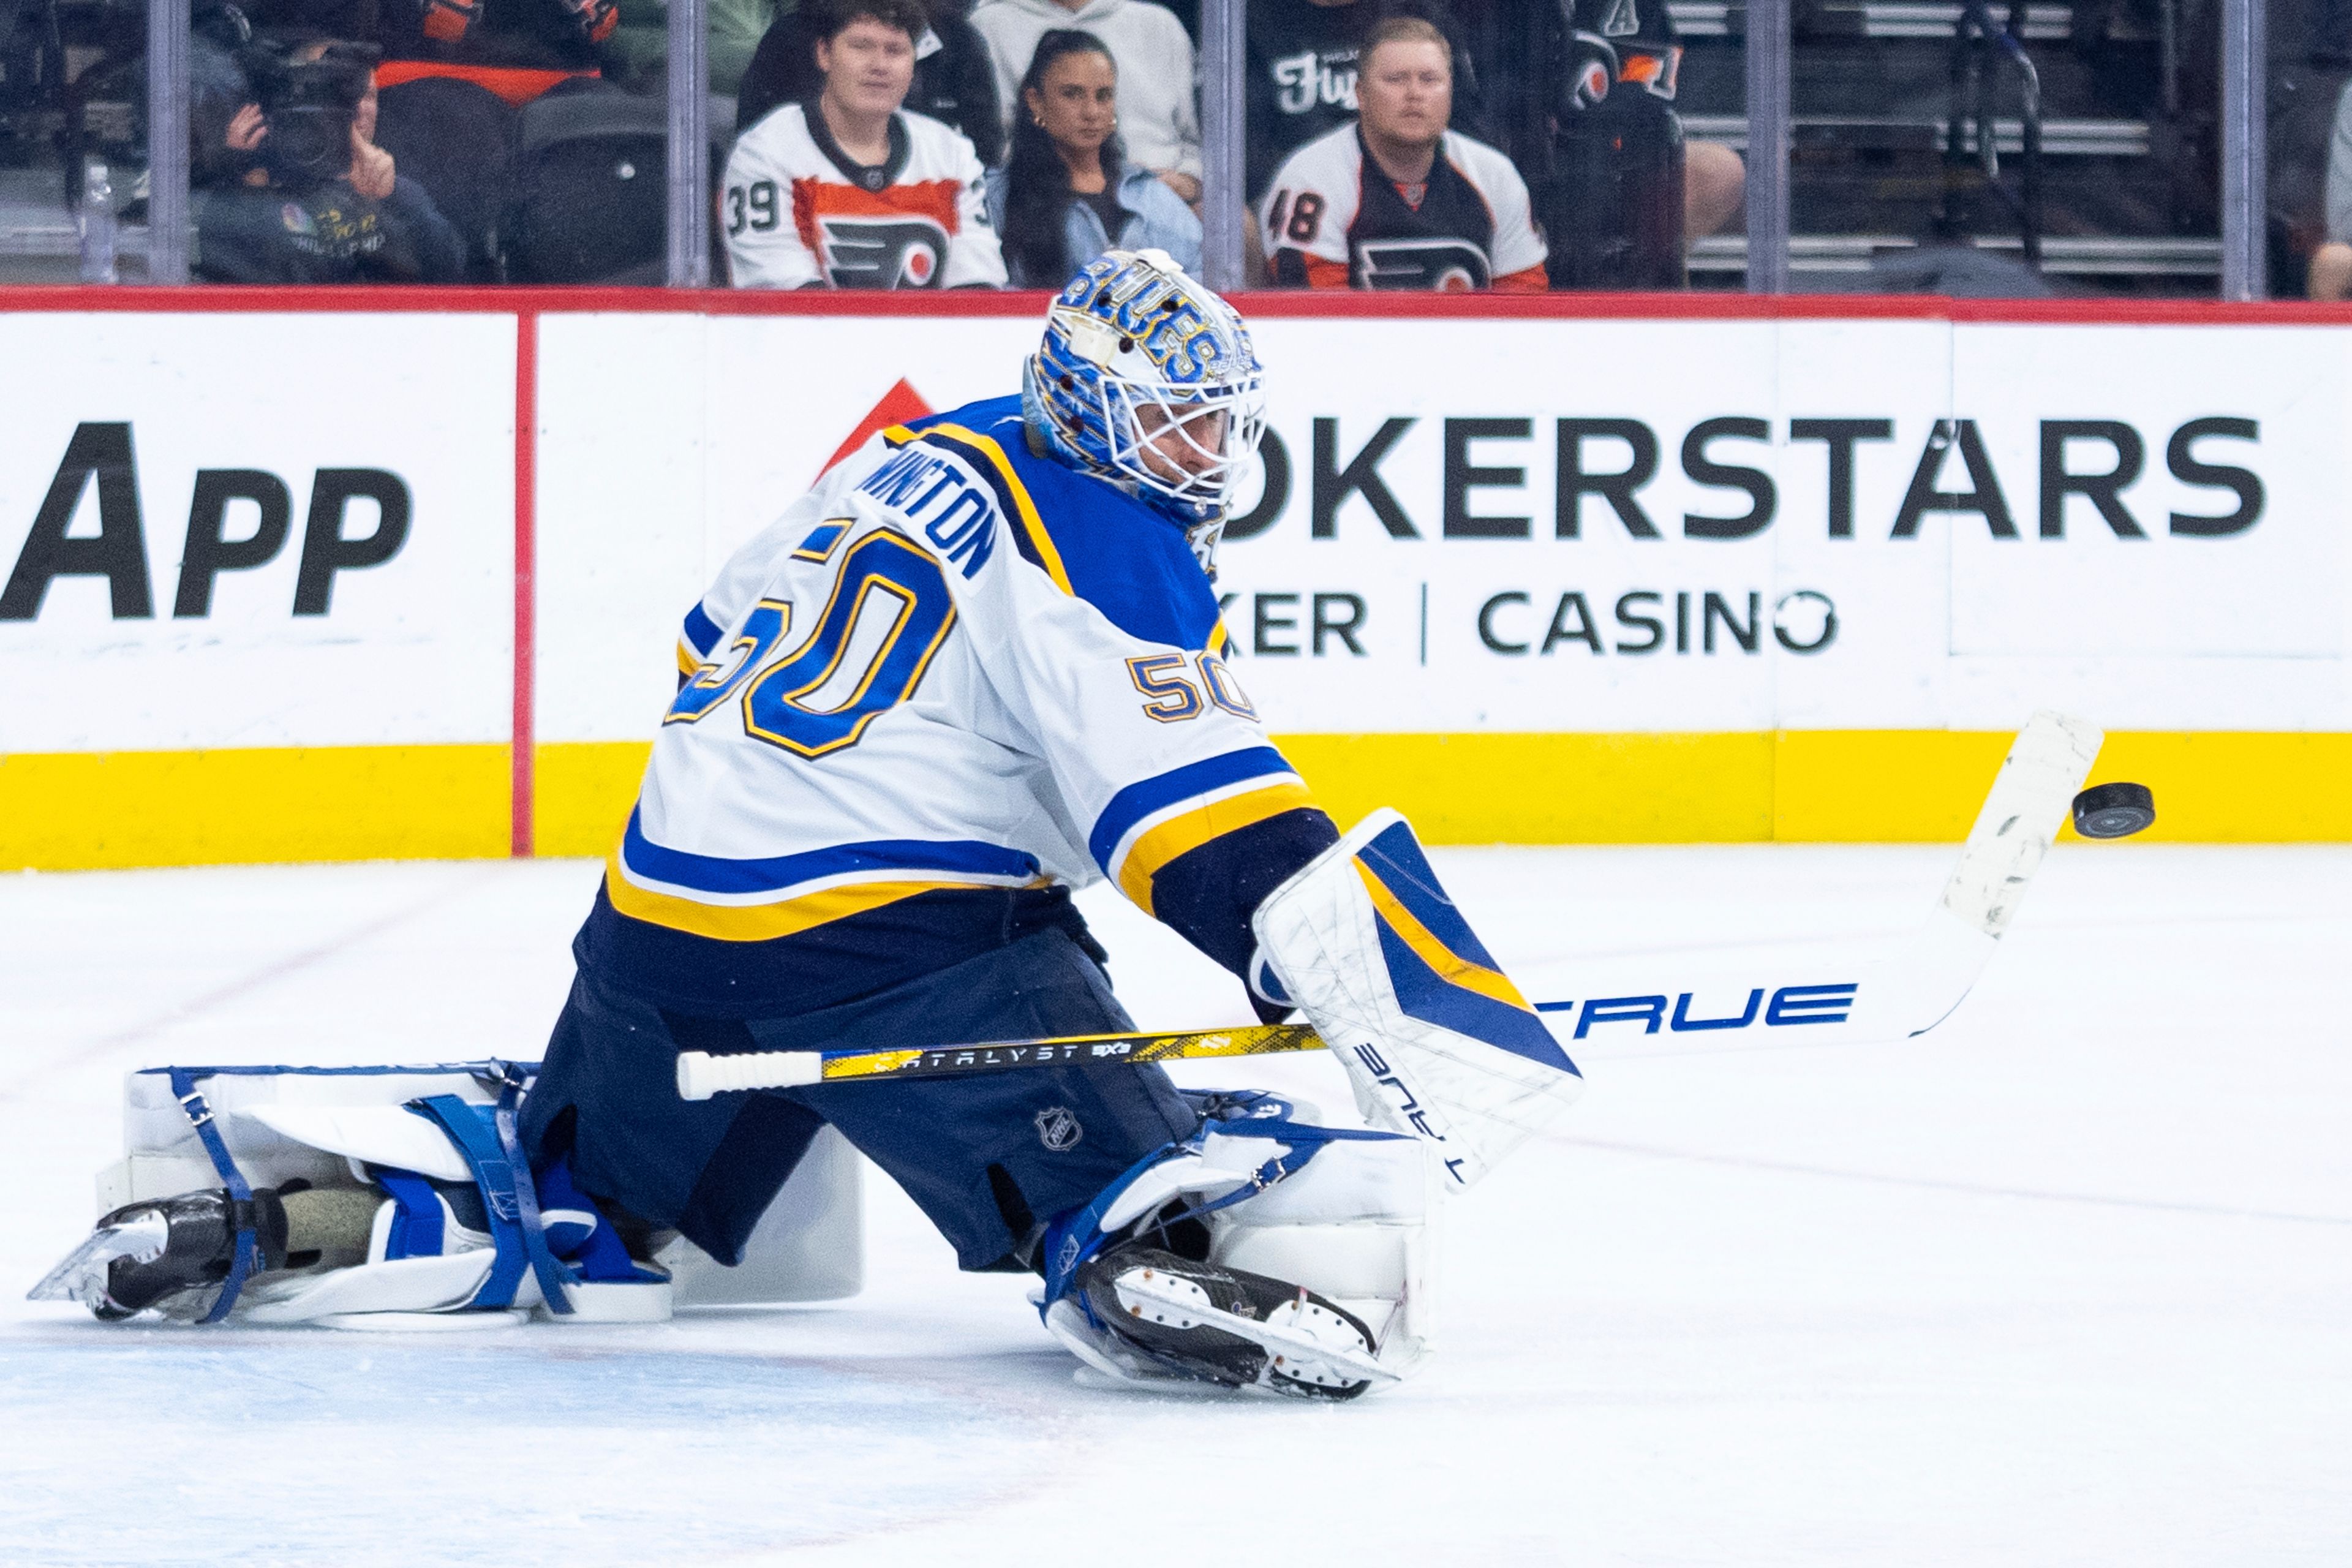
(1981, 47)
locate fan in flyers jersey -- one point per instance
(849, 191)
(1396, 200)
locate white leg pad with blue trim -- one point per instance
(1437, 1041)
(1344, 1215)
(398, 1142)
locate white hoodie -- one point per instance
(1157, 117)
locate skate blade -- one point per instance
(82, 1276)
(1298, 1351)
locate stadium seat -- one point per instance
(455, 139)
(590, 189)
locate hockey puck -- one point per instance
(2114, 810)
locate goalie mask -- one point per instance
(1134, 348)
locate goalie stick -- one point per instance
(1724, 998)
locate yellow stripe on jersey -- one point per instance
(1450, 966)
(1187, 831)
(1031, 524)
(688, 661)
(756, 923)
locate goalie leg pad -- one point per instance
(1229, 1326)
(351, 1197)
(1436, 1040)
(1264, 1254)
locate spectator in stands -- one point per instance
(1158, 121)
(1068, 194)
(849, 191)
(2331, 264)
(517, 47)
(1396, 200)
(1302, 63)
(955, 80)
(1624, 46)
(734, 30)
(324, 203)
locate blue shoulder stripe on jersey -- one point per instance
(1117, 554)
(716, 874)
(702, 633)
(1428, 995)
(1395, 856)
(1138, 801)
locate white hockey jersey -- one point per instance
(950, 683)
(1333, 219)
(799, 211)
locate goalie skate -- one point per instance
(170, 1254)
(1233, 1327)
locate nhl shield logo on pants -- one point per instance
(1058, 1130)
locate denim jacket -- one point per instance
(1156, 217)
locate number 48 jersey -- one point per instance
(949, 684)
(1333, 219)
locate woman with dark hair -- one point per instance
(1067, 193)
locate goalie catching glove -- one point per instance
(1437, 1042)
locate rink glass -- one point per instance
(72, 101)
(2175, 150)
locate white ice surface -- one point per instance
(2068, 1281)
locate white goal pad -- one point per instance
(278, 1123)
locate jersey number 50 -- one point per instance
(888, 612)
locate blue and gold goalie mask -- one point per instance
(1133, 348)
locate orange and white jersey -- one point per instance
(1333, 219)
(799, 212)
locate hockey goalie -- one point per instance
(978, 665)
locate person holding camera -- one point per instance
(321, 202)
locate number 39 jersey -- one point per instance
(1332, 219)
(799, 212)
(949, 684)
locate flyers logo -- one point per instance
(1447, 265)
(883, 252)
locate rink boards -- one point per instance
(285, 581)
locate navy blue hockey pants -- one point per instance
(989, 1157)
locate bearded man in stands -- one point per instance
(1395, 200)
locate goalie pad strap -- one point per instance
(503, 1120)
(517, 1245)
(416, 1229)
(246, 1257)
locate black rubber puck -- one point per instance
(2114, 810)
